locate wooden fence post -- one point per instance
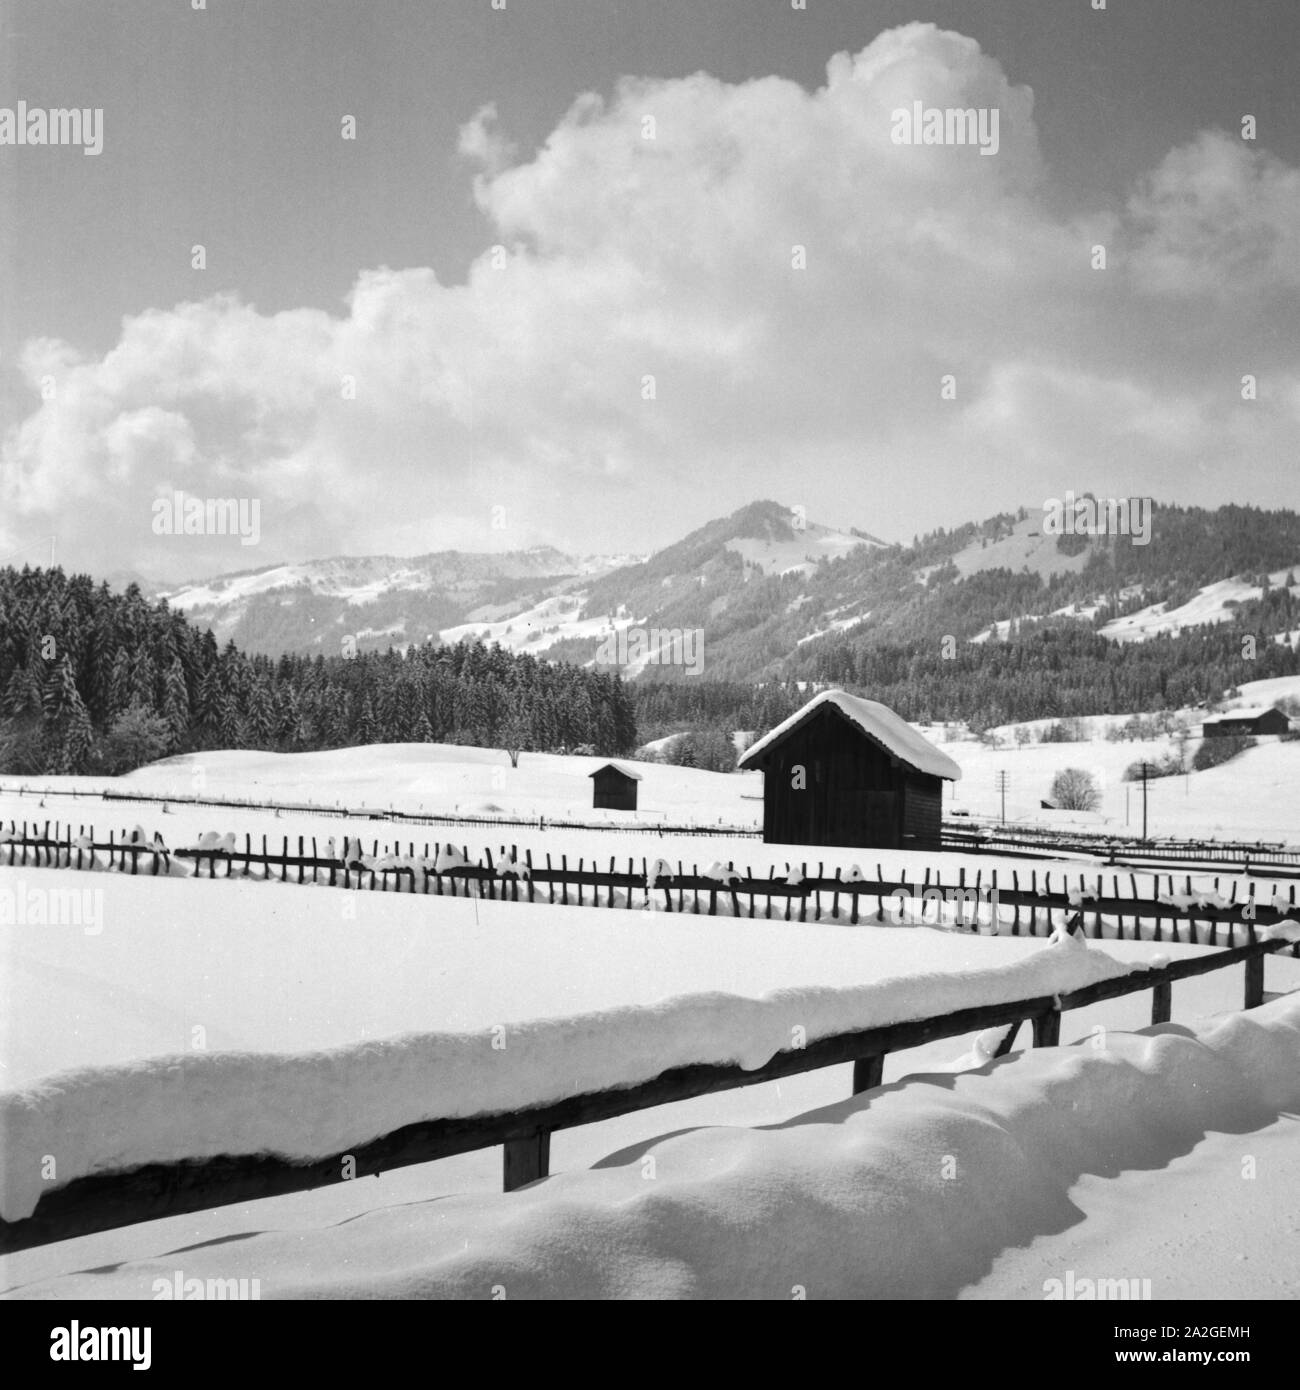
(868, 1073)
(1162, 1002)
(1003, 1048)
(1047, 1029)
(1254, 982)
(526, 1160)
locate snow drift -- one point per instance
(326, 1021)
(909, 1191)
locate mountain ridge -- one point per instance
(777, 594)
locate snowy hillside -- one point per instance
(310, 606)
(1215, 603)
(448, 779)
(1254, 796)
(798, 552)
(1025, 547)
(540, 627)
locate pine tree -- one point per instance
(176, 704)
(22, 694)
(210, 704)
(144, 681)
(366, 723)
(288, 716)
(60, 692)
(78, 738)
(260, 720)
(230, 727)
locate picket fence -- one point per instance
(1114, 908)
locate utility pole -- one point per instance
(1003, 778)
(1144, 800)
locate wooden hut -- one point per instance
(1247, 721)
(847, 771)
(614, 788)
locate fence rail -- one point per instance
(1210, 917)
(1261, 858)
(308, 808)
(973, 835)
(110, 1200)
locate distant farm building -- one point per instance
(847, 771)
(614, 788)
(1244, 721)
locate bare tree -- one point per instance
(1073, 789)
(514, 737)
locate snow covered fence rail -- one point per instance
(340, 812)
(62, 849)
(1210, 917)
(1260, 858)
(106, 1199)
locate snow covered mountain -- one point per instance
(773, 591)
(539, 600)
(377, 600)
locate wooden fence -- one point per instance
(1260, 857)
(797, 891)
(110, 1200)
(973, 835)
(308, 808)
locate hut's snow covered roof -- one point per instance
(1245, 712)
(878, 722)
(618, 767)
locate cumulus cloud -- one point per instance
(696, 293)
(1216, 219)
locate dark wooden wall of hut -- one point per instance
(1271, 721)
(855, 793)
(923, 811)
(612, 791)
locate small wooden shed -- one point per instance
(614, 788)
(847, 771)
(1247, 721)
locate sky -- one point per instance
(593, 272)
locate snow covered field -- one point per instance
(210, 1017)
(1256, 796)
(319, 1031)
(989, 1183)
(442, 779)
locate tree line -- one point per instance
(97, 682)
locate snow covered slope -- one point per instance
(1024, 547)
(360, 579)
(798, 552)
(309, 606)
(446, 778)
(554, 619)
(1255, 796)
(1212, 604)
